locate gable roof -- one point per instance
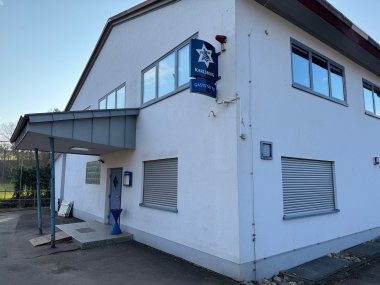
(135, 11)
(311, 15)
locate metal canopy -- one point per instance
(92, 132)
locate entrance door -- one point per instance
(115, 186)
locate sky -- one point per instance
(45, 45)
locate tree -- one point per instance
(6, 131)
(54, 110)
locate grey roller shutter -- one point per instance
(161, 183)
(308, 186)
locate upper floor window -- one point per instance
(371, 95)
(317, 74)
(167, 75)
(113, 100)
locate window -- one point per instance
(93, 172)
(317, 74)
(160, 184)
(113, 100)
(168, 75)
(308, 187)
(371, 95)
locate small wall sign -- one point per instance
(203, 86)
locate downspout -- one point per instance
(251, 153)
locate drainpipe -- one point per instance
(251, 153)
(38, 191)
(52, 194)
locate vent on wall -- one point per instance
(266, 150)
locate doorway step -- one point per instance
(94, 234)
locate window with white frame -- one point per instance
(315, 73)
(308, 187)
(161, 184)
(114, 99)
(167, 75)
(371, 95)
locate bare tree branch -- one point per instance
(6, 131)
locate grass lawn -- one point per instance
(6, 190)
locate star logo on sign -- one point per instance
(205, 55)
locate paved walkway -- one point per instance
(129, 263)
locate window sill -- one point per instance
(372, 115)
(309, 214)
(156, 100)
(300, 87)
(158, 207)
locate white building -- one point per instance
(296, 75)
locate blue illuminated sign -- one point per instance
(203, 60)
(203, 86)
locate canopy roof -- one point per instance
(91, 132)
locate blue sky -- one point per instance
(45, 44)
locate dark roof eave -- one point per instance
(330, 14)
(20, 126)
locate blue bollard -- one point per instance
(116, 215)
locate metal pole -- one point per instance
(20, 190)
(52, 194)
(2, 175)
(38, 191)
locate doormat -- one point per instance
(85, 230)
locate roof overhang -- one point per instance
(80, 132)
(322, 20)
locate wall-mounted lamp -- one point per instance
(127, 178)
(101, 160)
(376, 160)
(222, 39)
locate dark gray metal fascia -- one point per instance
(64, 125)
(331, 27)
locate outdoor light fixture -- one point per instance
(127, 179)
(79, 148)
(222, 39)
(376, 160)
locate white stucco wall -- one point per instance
(300, 125)
(226, 193)
(58, 176)
(179, 126)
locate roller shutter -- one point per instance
(308, 186)
(161, 183)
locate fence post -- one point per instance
(38, 191)
(20, 190)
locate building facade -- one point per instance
(279, 169)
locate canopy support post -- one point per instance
(52, 194)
